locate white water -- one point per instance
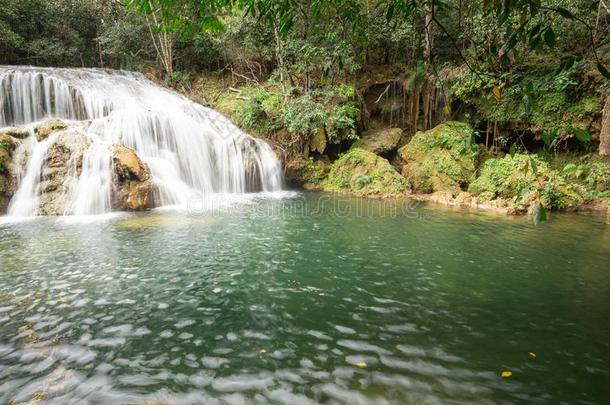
(194, 153)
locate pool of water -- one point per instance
(306, 299)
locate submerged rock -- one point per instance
(380, 141)
(362, 173)
(133, 187)
(522, 181)
(441, 159)
(61, 168)
(308, 173)
(45, 129)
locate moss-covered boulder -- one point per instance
(7, 178)
(380, 141)
(362, 173)
(524, 180)
(308, 173)
(45, 129)
(15, 132)
(441, 159)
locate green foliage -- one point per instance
(304, 116)
(524, 180)
(343, 122)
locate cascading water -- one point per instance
(192, 151)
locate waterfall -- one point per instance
(191, 151)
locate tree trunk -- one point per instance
(604, 135)
(429, 39)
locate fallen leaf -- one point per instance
(263, 351)
(360, 364)
(532, 354)
(506, 374)
(497, 92)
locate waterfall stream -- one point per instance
(193, 152)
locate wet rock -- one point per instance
(14, 132)
(380, 141)
(133, 186)
(61, 169)
(362, 173)
(7, 178)
(45, 129)
(308, 173)
(441, 159)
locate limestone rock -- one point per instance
(362, 173)
(318, 142)
(441, 159)
(7, 178)
(133, 187)
(308, 173)
(380, 141)
(14, 132)
(61, 169)
(45, 129)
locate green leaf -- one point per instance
(582, 135)
(549, 37)
(602, 69)
(540, 214)
(547, 138)
(513, 150)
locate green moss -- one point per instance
(443, 158)
(362, 173)
(308, 171)
(524, 179)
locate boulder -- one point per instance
(523, 181)
(133, 186)
(13, 132)
(308, 173)
(7, 178)
(441, 159)
(363, 173)
(62, 166)
(380, 142)
(45, 129)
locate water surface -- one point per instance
(306, 300)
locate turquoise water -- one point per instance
(305, 300)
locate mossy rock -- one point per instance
(441, 159)
(362, 173)
(15, 132)
(380, 141)
(45, 129)
(307, 172)
(524, 180)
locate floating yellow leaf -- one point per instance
(263, 351)
(361, 364)
(497, 92)
(532, 354)
(506, 374)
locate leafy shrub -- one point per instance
(343, 122)
(304, 116)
